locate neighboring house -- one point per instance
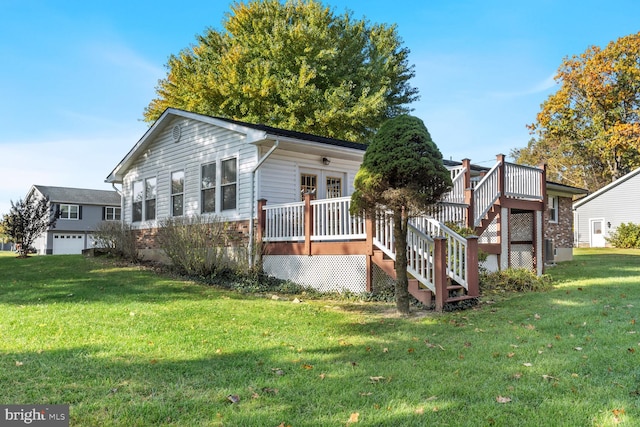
(80, 211)
(262, 180)
(600, 213)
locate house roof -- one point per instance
(255, 134)
(606, 188)
(556, 186)
(83, 196)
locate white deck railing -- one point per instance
(523, 182)
(485, 194)
(332, 220)
(284, 223)
(456, 195)
(456, 247)
(420, 248)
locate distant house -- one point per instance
(80, 211)
(600, 213)
(290, 191)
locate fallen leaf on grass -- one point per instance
(501, 399)
(577, 348)
(277, 371)
(322, 376)
(429, 399)
(153, 361)
(19, 363)
(269, 390)
(307, 366)
(366, 394)
(536, 316)
(233, 398)
(376, 379)
(528, 365)
(353, 418)
(549, 377)
(419, 411)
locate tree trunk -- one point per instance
(400, 221)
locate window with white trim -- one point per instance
(111, 213)
(150, 198)
(208, 188)
(229, 184)
(136, 204)
(69, 212)
(553, 203)
(177, 193)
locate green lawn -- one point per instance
(125, 347)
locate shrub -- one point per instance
(625, 236)
(514, 280)
(117, 238)
(202, 246)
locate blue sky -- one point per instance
(75, 76)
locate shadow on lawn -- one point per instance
(57, 279)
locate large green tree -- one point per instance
(402, 171)
(588, 132)
(294, 65)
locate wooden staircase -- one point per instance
(454, 292)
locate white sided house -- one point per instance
(290, 192)
(600, 213)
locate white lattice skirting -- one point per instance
(325, 273)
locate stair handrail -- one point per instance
(456, 195)
(420, 248)
(485, 194)
(456, 247)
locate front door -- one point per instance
(596, 232)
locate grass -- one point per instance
(125, 347)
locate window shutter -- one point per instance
(79, 212)
(104, 213)
(57, 212)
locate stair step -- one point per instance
(460, 298)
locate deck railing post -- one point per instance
(473, 286)
(468, 193)
(440, 271)
(262, 221)
(308, 222)
(501, 174)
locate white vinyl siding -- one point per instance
(200, 143)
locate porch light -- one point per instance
(326, 161)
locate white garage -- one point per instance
(68, 243)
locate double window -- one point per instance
(69, 212)
(111, 213)
(226, 186)
(144, 200)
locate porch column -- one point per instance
(468, 193)
(440, 271)
(473, 287)
(543, 224)
(308, 222)
(505, 244)
(539, 243)
(369, 248)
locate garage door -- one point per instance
(68, 243)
